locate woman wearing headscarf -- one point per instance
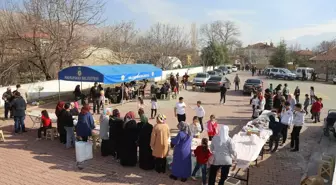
(146, 160)
(223, 151)
(85, 123)
(104, 132)
(60, 125)
(182, 153)
(129, 149)
(116, 133)
(159, 143)
(74, 109)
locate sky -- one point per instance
(297, 21)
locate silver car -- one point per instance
(201, 79)
(215, 83)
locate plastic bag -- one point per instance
(83, 151)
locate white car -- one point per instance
(234, 69)
(229, 67)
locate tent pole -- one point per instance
(59, 90)
(122, 93)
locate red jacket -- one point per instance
(202, 156)
(317, 106)
(212, 128)
(45, 121)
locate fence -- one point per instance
(45, 89)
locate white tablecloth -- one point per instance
(248, 147)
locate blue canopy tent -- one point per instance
(109, 74)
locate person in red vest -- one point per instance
(316, 109)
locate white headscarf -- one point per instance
(223, 134)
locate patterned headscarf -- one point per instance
(106, 113)
(184, 127)
(116, 113)
(161, 118)
(129, 116)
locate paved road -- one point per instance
(27, 161)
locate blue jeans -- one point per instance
(19, 123)
(203, 168)
(70, 137)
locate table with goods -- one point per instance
(249, 144)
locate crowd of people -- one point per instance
(15, 107)
(287, 112)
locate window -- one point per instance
(254, 81)
(281, 71)
(298, 70)
(215, 78)
(274, 70)
(201, 75)
(211, 72)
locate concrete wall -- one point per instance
(51, 88)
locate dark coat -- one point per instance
(19, 106)
(269, 101)
(85, 125)
(66, 119)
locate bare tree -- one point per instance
(48, 34)
(121, 39)
(325, 46)
(163, 43)
(224, 32)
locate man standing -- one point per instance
(236, 81)
(285, 91)
(223, 90)
(179, 110)
(297, 94)
(22, 91)
(95, 95)
(269, 99)
(7, 97)
(19, 112)
(185, 80)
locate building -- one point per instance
(258, 54)
(324, 64)
(168, 63)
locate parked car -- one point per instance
(252, 82)
(200, 79)
(215, 73)
(308, 70)
(215, 82)
(234, 69)
(334, 80)
(219, 71)
(224, 69)
(229, 67)
(267, 71)
(282, 73)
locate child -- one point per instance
(298, 121)
(154, 107)
(102, 99)
(195, 128)
(316, 109)
(200, 113)
(255, 101)
(202, 154)
(212, 127)
(306, 103)
(141, 104)
(286, 120)
(312, 94)
(256, 112)
(45, 124)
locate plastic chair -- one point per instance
(232, 181)
(326, 167)
(2, 136)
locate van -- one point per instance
(308, 71)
